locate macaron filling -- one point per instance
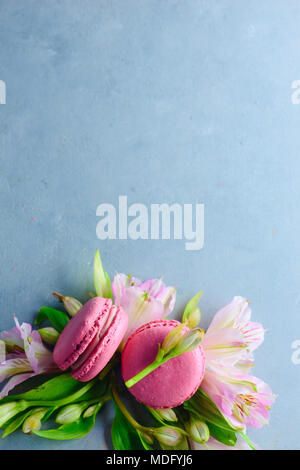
(96, 340)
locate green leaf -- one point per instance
(49, 413)
(57, 318)
(95, 392)
(54, 389)
(66, 432)
(191, 305)
(56, 392)
(123, 434)
(99, 276)
(201, 405)
(102, 281)
(222, 435)
(60, 390)
(108, 286)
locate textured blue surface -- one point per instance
(164, 101)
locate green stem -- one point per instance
(125, 412)
(143, 373)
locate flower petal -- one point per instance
(13, 382)
(40, 358)
(225, 345)
(242, 398)
(118, 287)
(12, 338)
(140, 309)
(119, 284)
(235, 316)
(238, 309)
(142, 301)
(228, 315)
(157, 289)
(14, 366)
(24, 329)
(253, 333)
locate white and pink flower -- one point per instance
(232, 337)
(228, 345)
(23, 356)
(142, 301)
(243, 399)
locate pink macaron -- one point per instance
(170, 384)
(90, 338)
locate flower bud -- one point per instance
(90, 411)
(172, 338)
(189, 341)
(71, 305)
(34, 421)
(191, 305)
(146, 437)
(10, 409)
(167, 414)
(198, 430)
(167, 435)
(69, 414)
(193, 318)
(49, 335)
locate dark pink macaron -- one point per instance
(90, 338)
(170, 384)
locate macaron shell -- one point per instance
(80, 331)
(106, 348)
(170, 384)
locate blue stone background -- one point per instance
(185, 101)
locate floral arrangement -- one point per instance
(227, 398)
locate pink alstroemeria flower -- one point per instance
(228, 345)
(24, 356)
(243, 399)
(142, 301)
(232, 337)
